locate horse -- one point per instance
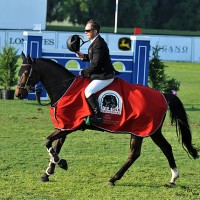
(56, 79)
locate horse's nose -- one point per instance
(21, 94)
(17, 93)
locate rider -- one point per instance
(100, 69)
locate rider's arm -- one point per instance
(82, 56)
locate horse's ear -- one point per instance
(29, 59)
(23, 56)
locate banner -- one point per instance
(173, 48)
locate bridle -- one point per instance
(26, 78)
(26, 82)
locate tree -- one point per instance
(157, 77)
(159, 14)
(186, 17)
(171, 86)
(8, 67)
(79, 11)
(55, 10)
(162, 11)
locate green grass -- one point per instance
(93, 156)
(188, 74)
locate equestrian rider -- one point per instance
(100, 69)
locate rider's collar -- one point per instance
(94, 38)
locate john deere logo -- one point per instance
(124, 44)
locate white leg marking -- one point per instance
(175, 175)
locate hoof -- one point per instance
(170, 185)
(44, 178)
(110, 183)
(63, 164)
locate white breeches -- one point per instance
(96, 85)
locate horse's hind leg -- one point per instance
(166, 148)
(59, 138)
(135, 150)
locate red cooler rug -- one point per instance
(126, 108)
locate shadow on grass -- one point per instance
(35, 103)
(139, 185)
(192, 109)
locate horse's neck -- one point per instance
(56, 80)
(57, 91)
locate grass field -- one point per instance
(93, 156)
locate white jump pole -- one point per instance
(116, 15)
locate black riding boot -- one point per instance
(97, 117)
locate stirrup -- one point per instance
(93, 120)
(87, 120)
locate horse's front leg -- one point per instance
(59, 138)
(135, 150)
(55, 159)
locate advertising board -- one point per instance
(196, 50)
(173, 48)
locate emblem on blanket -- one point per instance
(110, 102)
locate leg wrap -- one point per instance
(50, 169)
(54, 155)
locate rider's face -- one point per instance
(89, 32)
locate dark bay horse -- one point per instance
(57, 79)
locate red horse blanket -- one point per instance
(127, 108)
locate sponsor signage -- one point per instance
(2, 39)
(173, 48)
(15, 39)
(124, 43)
(196, 50)
(49, 40)
(119, 44)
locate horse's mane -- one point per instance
(55, 63)
(49, 60)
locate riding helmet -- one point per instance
(73, 43)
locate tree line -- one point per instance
(148, 14)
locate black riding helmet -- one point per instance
(73, 43)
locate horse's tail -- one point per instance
(179, 116)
